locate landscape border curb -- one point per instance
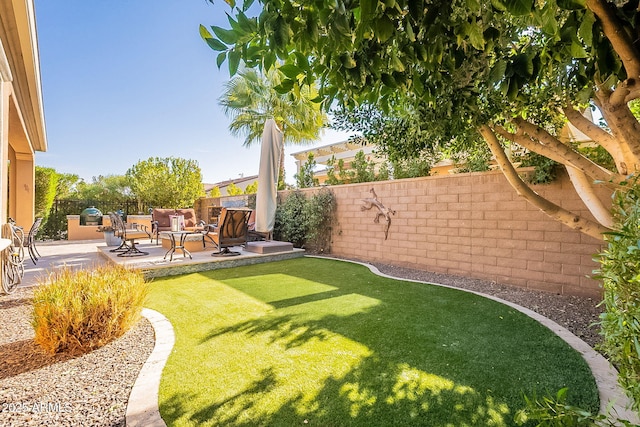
(612, 397)
(142, 408)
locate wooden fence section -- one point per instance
(470, 225)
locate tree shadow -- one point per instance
(406, 397)
(13, 303)
(426, 364)
(282, 329)
(24, 356)
(174, 408)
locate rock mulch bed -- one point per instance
(37, 389)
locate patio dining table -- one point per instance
(177, 244)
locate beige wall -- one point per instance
(22, 129)
(75, 231)
(471, 225)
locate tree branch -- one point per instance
(563, 153)
(598, 135)
(584, 188)
(620, 40)
(589, 128)
(556, 212)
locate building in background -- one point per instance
(345, 151)
(242, 183)
(22, 127)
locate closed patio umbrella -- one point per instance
(266, 199)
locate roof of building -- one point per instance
(235, 181)
(328, 150)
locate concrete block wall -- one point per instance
(470, 225)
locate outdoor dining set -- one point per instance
(176, 227)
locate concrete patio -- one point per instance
(85, 253)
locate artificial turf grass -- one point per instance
(331, 343)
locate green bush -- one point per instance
(620, 274)
(77, 311)
(554, 411)
(290, 225)
(46, 182)
(306, 178)
(306, 222)
(319, 216)
(546, 170)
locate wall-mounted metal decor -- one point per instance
(383, 212)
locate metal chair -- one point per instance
(128, 246)
(30, 242)
(231, 231)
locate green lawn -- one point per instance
(327, 343)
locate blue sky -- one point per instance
(127, 80)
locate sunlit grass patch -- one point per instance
(330, 343)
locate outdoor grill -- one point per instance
(91, 216)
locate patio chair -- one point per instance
(231, 231)
(128, 246)
(30, 242)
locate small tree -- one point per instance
(106, 188)
(251, 188)
(168, 182)
(46, 182)
(306, 178)
(215, 192)
(364, 170)
(67, 187)
(234, 190)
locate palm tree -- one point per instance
(250, 99)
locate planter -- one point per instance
(111, 239)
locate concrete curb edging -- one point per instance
(142, 408)
(612, 397)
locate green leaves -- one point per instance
(620, 273)
(515, 7)
(170, 182)
(367, 9)
(226, 36)
(586, 28)
(384, 28)
(571, 4)
(497, 72)
(290, 71)
(474, 32)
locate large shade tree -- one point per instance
(169, 182)
(466, 72)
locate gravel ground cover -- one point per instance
(37, 389)
(92, 390)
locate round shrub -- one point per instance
(76, 311)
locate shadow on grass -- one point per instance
(424, 355)
(173, 408)
(281, 329)
(404, 397)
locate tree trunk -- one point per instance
(584, 188)
(625, 129)
(556, 212)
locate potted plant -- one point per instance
(109, 235)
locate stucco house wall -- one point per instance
(22, 128)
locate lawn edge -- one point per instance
(612, 397)
(142, 407)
